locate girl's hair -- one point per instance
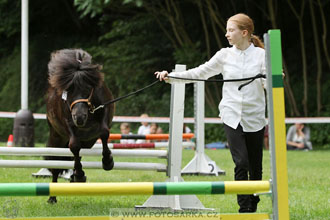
(244, 22)
(124, 125)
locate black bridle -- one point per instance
(88, 101)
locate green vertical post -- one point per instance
(277, 131)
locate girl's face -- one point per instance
(234, 35)
(299, 126)
(124, 130)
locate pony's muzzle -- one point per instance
(79, 119)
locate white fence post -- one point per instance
(201, 163)
(175, 202)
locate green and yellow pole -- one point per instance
(133, 188)
(277, 131)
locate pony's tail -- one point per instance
(257, 41)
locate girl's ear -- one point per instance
(245, 33)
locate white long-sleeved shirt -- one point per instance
(143, 130)
(127, 141)
(245, 106)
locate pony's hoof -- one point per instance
(52, 200)
(79, 179)
(108, 164)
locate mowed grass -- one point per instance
(309, 188)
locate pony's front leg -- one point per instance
(55, 173)
(78, 174)
(107, 160)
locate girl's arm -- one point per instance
(212, 67)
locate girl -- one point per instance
(242, 110)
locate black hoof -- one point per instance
(108, 164)
(52, 200)
(79, 179)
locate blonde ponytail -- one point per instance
(257, 41)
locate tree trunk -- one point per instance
(318, 60)
(304, 66)
(287, 87)
(289, 93)
(303, 53)
(324, 35)
(214, 21)
(215, 86)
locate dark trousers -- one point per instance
(246, 151)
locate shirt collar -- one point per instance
(246, 51)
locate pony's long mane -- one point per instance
(69, 68)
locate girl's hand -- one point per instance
(161, 75)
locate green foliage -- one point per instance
(10, 25)
(127, 54)
(191, 56)
(320, 136)
(97, 7)
(10, 18)
(10, 90)
(10, 82)
(92, 7)
(6, 128)
(214, 133)
(138, 3)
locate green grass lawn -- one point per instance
(309, 188)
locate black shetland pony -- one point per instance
(76, 87)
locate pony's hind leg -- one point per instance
(55, 140)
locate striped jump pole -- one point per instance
(160, 167)
(133, 188)
(32, 151)
(158, 215)
(147, 136)
(144, 145)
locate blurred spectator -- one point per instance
(159, 130)
(125, 129)
(143, 129)
(153, 128)
(186, 129)
(298, 137)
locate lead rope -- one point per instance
(174, 77)
(125, 96)
(225, 80)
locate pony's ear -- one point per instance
(83, 56)
(79, 56)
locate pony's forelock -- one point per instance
(73, 68)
